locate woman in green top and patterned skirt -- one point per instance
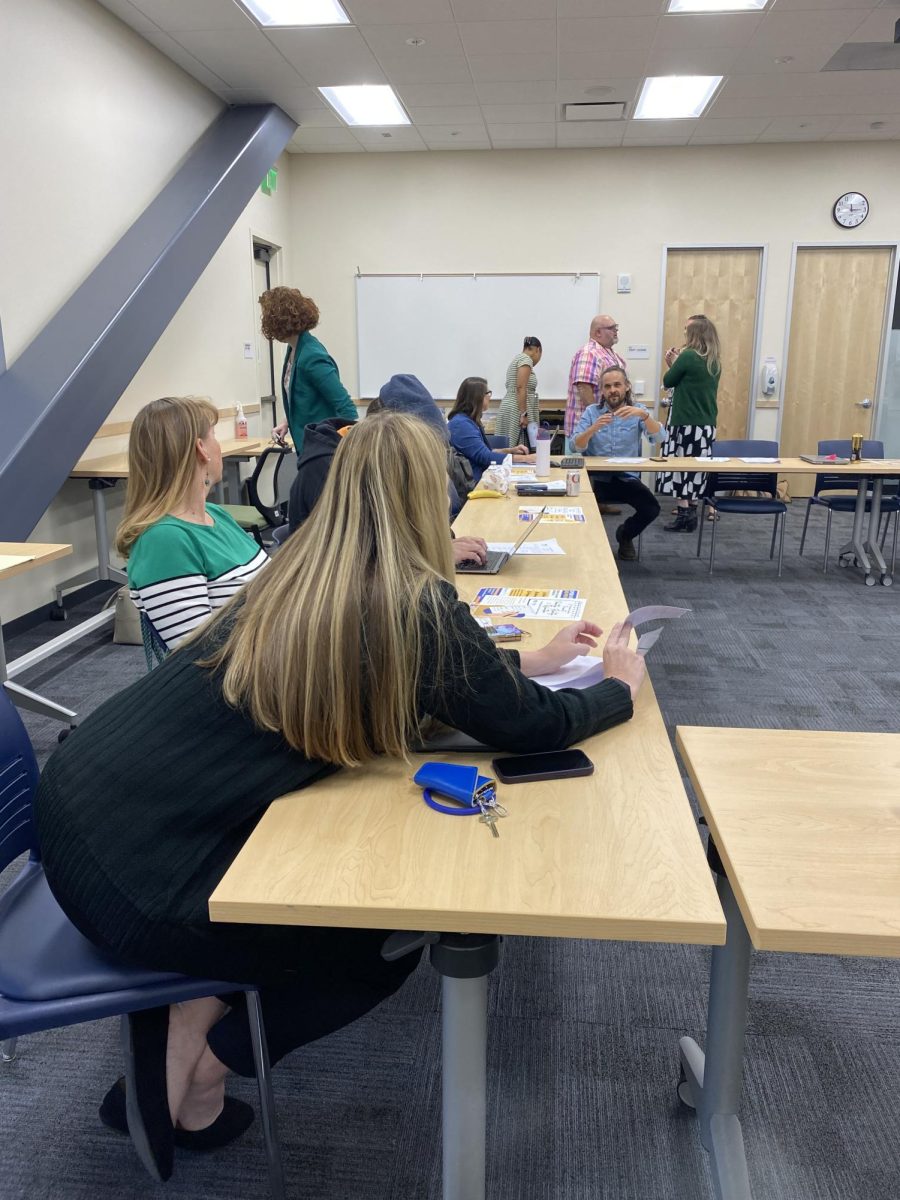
(694, 373)
(186, 558)
(519, 407)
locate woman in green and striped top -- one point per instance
(519, 406)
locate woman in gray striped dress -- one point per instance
(519, 406)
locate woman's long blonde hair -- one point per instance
(161, 461)
(325, 645)
(704, 340)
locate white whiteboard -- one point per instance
(444, 328)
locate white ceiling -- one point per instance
(493, 74)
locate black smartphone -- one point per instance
(529, 768)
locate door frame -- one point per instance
(885, 320)
(757, 325)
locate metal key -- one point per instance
(489, 817)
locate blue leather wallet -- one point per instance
(456, 780)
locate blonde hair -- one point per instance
(704, 340)
(161, 461)
(325, 646)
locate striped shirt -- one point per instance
(179, 572)
(587, 366)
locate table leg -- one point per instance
(464, 962)
(31, 701)
(855, 548)
(231, 478)
(872, 546)
(712, 1082)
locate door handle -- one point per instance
(867, 403)
(665, 402)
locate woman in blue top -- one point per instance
(467, 432)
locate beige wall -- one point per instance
(105, 120)
(594, 210)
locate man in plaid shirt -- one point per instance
(588, 365)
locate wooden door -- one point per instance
(724, 285)
(837, 326)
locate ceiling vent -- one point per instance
(609, 110)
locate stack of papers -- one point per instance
(626, 460)
(538, 604)
(552, 513)
(760, 460)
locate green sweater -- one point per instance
(694, 402)
(144, 807)
(314, 390)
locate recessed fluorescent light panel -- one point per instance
(296, 12)
(366, 104)
(675, 97)
(717, 6)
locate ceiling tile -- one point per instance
(503, 10)
(513, 66)
(420, 95)
(534, 143)
(388, 147)
(454, 136)
(131, 15)
(390, 41)
(182, 16)
(188, 62)
(587, 133)
(647, 131)
(444, 68)
(611, 8)
(575, 91)
(877, 27)
(686, 29)
(508, 37)
(523, 132)
(805, 60)
(537, 91)
(861, 126)
(395, 12)
(779, 28)
(790, 5)
(320, 139)
(740, 126)
(691, 60)
(799, 129)
(241, 59)
(447, 114)
(602, 67)
(656, 140)
(722, 139)
(505, 114)
(328, 57)
(607, 34)
(396, 138)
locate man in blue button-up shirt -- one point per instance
(613, 429)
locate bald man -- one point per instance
(588, 365)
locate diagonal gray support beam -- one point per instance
(59, 391)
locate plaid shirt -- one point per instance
(587, 366)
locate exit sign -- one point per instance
(270, 183)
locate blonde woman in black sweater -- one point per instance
(314, 666)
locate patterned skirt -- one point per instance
(507, 422)
(686, 441)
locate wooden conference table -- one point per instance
(870, 472)
(806, 833)
(614, 855)
(16, 558)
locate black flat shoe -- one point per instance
(145, 1036)
(235, 1119)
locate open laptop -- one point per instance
(497, 559)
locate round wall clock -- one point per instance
(850, 210)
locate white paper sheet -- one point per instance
(760, 460)
(652, 612)
(553, 514)
(581, 672)
(711, 458)
(13, 560)
(551, 546)
(627, 460)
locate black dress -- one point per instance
(144, 807)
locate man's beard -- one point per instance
(623, 403)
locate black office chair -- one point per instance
(737, 481)
(268, 489)
(832, 492)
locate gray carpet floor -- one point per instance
(583, 1035)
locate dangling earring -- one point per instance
(206, 479)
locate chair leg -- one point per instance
(781, 544)
(712, 546)
(827, 544)
(805, 523)
(8, 1048)
(894, 546)
(774, 534)
(266, 1099)
(638, 547)
(701, 521)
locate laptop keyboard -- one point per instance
(495, 559)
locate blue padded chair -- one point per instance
(737, 481)
(828, 491)
(155, 649)
(51, 976)
(497, 441)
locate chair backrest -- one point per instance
(267, 490)
(826, 482)
(18, 783)
(738, 481)
(281, 534)
(497, 441)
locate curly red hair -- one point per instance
(286, 312)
